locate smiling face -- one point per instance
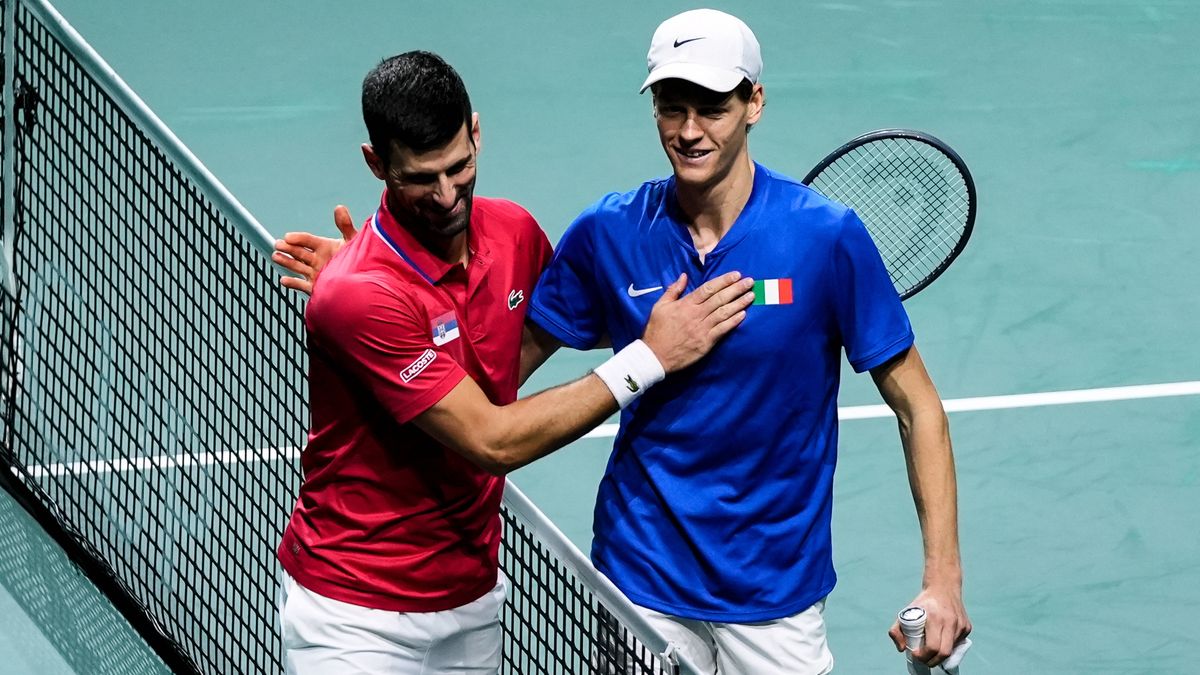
(430, 193)
(704, 132)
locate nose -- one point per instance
(690, 132)
(445, 194)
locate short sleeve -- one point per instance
(542, 250)
(871, 319)
(386, 343)
(565, 302)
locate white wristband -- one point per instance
(630, 372)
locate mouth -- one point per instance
(446, 214)
(691, 156)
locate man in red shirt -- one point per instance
(414, 340)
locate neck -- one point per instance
(712, 209)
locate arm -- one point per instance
(925, 435)
(500, 439)
(306, 254)
(536, 346)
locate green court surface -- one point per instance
(1079, 121)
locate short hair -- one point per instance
(415, 99)
(744, 90)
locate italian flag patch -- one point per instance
(773, 292)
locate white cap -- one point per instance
(712, 49)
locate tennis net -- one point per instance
(152, 385)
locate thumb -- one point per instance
(344, 223)
(674, 290)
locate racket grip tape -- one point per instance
(912, 624)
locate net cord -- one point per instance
(151, 125)
(8, 182)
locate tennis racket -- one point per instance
(915, 195)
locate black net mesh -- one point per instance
(152, 388)
(913, 199)
(544, 592)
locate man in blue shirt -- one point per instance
(714, 511)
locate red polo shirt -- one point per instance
(387, 517)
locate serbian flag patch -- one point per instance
(445, 329)
(773, 292)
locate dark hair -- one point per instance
(415, 99)
(744, 90)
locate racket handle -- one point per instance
(912, 624)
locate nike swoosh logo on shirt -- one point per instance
(635, 292)
(679, 43)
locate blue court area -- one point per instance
(1078, 120)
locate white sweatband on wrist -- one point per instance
(630, 372)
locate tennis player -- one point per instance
(414, 338)
(714, 513)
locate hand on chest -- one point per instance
(787, 295)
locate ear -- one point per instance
(758, 99)
(476, 137)
(374, 162)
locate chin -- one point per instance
(693, 176)
(452, 228)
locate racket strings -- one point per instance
(913, 199)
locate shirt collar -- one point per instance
(745, 222)
(421, 259)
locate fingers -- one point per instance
(299, 262)
(712, 287)
(897, 636)
(939, 642)
(674, 290)
(941, 636)
(344, 223)
(727, 316)
(302, 285)
(301, 240)
(735, 293)
(728, 324)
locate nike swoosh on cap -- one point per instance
(679, 43)
(635, 292)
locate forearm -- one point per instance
(925, 435)
(540, 424)
(501, 439)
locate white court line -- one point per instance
(862, 412)
(164, 461)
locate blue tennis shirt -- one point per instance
(716, 501)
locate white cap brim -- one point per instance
(709, 77)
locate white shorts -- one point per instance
(324, 636)
(793, 645)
